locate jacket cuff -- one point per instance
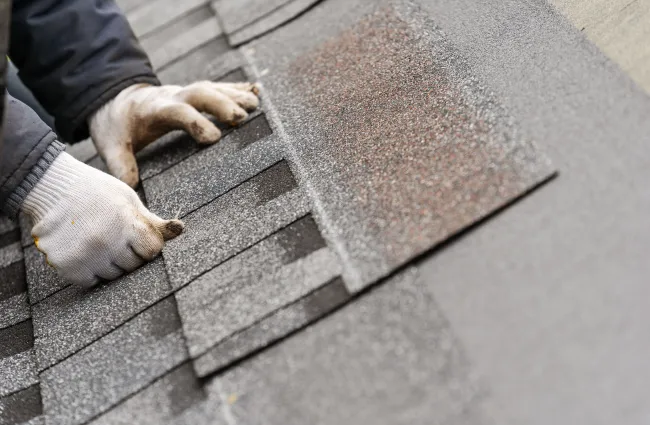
(74, 129)
(15, 200)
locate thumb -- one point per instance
(169, 229)
(121, 163)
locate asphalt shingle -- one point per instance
(213, 171)
(233, 222)
(17, 372)
(7, 224)
(178, 398)
(388, 358)
(244, 20)
(10, 254)
(275, 18)
(25, 224)
(74, 317)
(188, 40)
(401, 145)
(273, 327)
(13, 294)
(114, 367)
(17, 363)
(160, 14)
(196, 65)
(42, 279)
(22, 407)
(173, 148)
(236, 294)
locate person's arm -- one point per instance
(28, 148)
(75, 55)
(85, 66)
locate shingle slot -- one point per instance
(16, 339)
(12, 280)
(21, 406)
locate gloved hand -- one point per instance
(141, 114)
(91, 226)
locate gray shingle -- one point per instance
(42, 280)
(9, 236)
(191, 39)
(239, 13)
(388, 358)
(178, 398)
(255, 283)
(207, 62)
(16, 339)
(273, 327)
(25, 224)
(160, 13)
(10, 254)
(269, 22)
(74, 317)
(174, 147)
(82, 151)
(114, 367)
(17, 372)
(401, 145)
(7, 224)
(233, 222)
(22, 407)
(213, 171)
(14, 309)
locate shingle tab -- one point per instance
(269, 22)
(22, 407)
(255, 283)
(161, 13)
(114, 367)
(17, 372)
(211, 172)
(196, 64)
(16, 339)
(173, 148)
(177, 398)
(10, 254)
(74, 317)
(401, 146)
(233, 222)
(14, 309)
(185, 43)
(389, 357)
(273, 327)
(42, 279)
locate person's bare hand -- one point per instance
(141, 114)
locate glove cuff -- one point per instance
(53, 185)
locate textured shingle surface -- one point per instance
(399, 129)
(116, 366)
(74, 317)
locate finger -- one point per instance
(214, 103)
(249, 87)
(127, 259)
(181, 116)
(80, 276)
(109, 271)
(245, 99)
(169, 229)
(121, 163)
(147, 241)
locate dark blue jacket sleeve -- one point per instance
(75, 55)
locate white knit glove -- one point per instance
(91, 226)
(141, 114)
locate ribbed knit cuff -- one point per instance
(18, 196)
(53, 186)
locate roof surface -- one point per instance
(352, 253)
